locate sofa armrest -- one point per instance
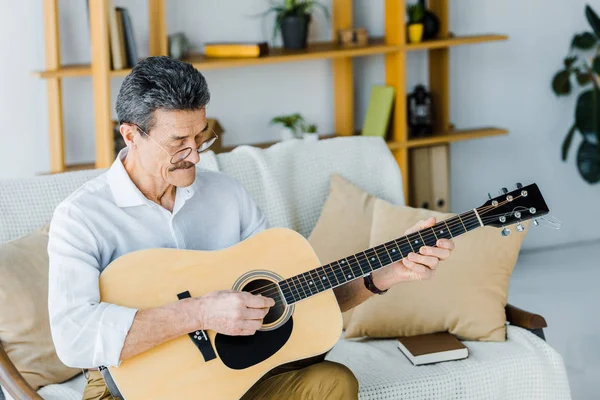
(13, 382)
(524, 319)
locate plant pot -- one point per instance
(415, 33)
(310, 137)
(286, 134)
(294, 31)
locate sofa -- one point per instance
(289, 182)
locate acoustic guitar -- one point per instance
(279, 263)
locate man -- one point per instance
(153, 197)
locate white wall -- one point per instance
(505, 84)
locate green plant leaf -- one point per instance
(596, 64)
(587, 113)
(561, 84)
(569, 61)
(567, 142)
(593, 19)
(584, 41)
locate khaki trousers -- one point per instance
(324, 380)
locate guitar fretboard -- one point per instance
(337, 273)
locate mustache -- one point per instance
(184, 165)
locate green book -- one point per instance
(379, 111)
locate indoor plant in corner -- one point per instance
(583, 63)
(292, 18)
(310, 133)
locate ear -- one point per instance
(128, 132)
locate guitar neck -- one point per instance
(356, 266)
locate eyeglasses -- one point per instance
(182, 154)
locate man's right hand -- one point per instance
(233, 313)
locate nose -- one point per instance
(194, 157)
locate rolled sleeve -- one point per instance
(87, 333)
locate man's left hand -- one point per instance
(416, 266)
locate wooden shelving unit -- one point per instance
(393, 46)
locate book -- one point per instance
(236, 49)
(113, 30)
(379, 111)
(432, 348)
(130, 47)
(121, 36)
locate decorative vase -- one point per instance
(310, 137)
(431, 23)
(286, 134)
(415, 33)
(294, 31)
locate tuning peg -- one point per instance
(536, 222)
(505, 232)
(504, 190)
(519, 185)
(490, 196)
(520, 227)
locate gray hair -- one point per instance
(160, 83)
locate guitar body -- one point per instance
(176, 369)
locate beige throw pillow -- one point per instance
(24, 325)
(344, 226)
(466, 297)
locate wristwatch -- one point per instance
(371, 286)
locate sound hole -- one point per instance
(268, 289)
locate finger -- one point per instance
(258, 301)
(251, 325)
(442, 254)
(413, 266)
(255, 313)
(422, 224)
(427, 261)
(445, 244)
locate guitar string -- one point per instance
(452, 225)
(272, 288)
(306, 289)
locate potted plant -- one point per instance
(415, 22)
(310, 133)
(583, 64)
(292, 18)
(291, 125)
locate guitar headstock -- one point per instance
(522, 204)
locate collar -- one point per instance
(127, 194)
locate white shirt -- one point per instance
(108, 217)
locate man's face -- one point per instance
(174, 131)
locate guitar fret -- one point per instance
(354, 266)
(372, 259)
(310, 283)
(295, 290)
(317, 281)
(285, 289)
(357, 264)
(356, 271)
(461, 221)
(394, 251)
(383, 256)
(325, 279)
(339, 273)
(332, 275)
(297, 278)
(449, 231)
(361, 258)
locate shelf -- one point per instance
(66, 71)
(453, 136)
(315, 51)
(454, 41)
